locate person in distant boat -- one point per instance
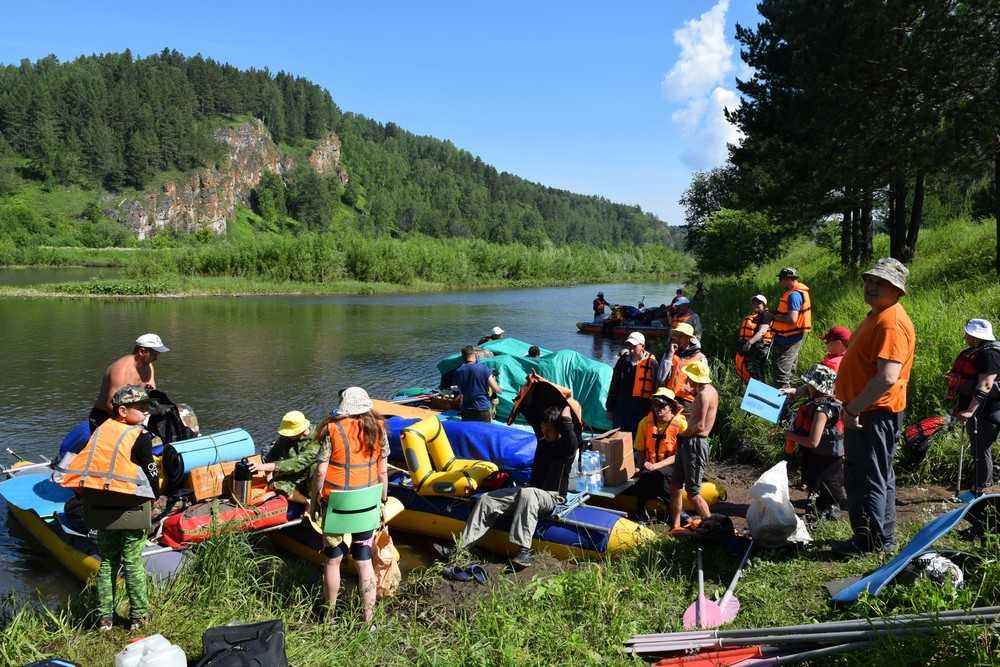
(495, 334)
(682, 313)
(678, 294)
(475, 381)
(132, 369)
(534, 351)
(600, 307)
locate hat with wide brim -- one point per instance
(684, 328)
(890, 270)
(293, 423)
(697, 371)
(353, 402)
(821, 378)
(981, 329)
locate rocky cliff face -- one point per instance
(208, 198)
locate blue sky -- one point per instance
(623, 102)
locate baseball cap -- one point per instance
(788, 272)
(635, 338)
(681, 301)
(664, 395)
(981, 329)
(497, 331)
(151, 341)
(760, 297)
(838, 332)
(130, 394)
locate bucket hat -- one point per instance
(821, 378)
(353, 402)
(130, 394)
(981, 329)
(892, 271)
(293, 423)
(635, 338)
(685, 328)
(698, 372)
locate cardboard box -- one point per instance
(212, 481)
(617, 449)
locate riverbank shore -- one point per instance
(199, 286)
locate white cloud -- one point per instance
(698, 84)
(705, 58)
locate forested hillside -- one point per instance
(112, 122)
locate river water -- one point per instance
(244, 361)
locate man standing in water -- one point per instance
(132, 369)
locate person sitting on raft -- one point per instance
(353, 454)
(557, 445)
(600, 307)
(817, 428)
(117, 463)
(656, 444)
(291, 458)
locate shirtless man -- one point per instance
(692, 445)
(135, 368)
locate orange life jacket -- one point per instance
(659, 445)
(645, 378)
(677, 318)
(804, 321)
(963, 376)
(350, 466)
(748, 327)
(105, 463)
(677, 382)
(600, 306)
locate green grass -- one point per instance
(580, 616)
(951, 280)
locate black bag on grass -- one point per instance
(253, 645)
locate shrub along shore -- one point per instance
(344, 264)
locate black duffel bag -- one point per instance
(254, 645)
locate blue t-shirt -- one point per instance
(473, 381)
(795, 302)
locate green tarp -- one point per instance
(502, 346)
(589, 379)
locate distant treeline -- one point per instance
(115, 121)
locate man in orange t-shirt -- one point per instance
(872, 386)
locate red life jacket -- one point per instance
(963, 376)
(831, 442)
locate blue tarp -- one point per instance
(512, 449)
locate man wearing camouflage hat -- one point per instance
(871, 384)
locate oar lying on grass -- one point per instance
(694, 614)
(816, 637)
(756, 656)
(715, 614)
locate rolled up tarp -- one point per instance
(179, 458)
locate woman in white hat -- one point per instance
(353, 455)
(972, 384)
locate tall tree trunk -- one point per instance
(847, 237)
(897, 218)
(866, 251)
(857, 244)
(996, 202)
(916, 217)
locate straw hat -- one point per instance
(293, 423)
(685, 328)
(353, 402)
(697, 371)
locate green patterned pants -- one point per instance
(116, 548)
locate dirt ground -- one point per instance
(913, 504)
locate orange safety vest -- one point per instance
(600, 305)
(678, 318)
(658, 446)
(350, 466)
(645, 378)
(105, 463)
(804, 321)
(748, 327)
(677, 382)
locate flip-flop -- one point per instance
(477, 572)
(456, 573)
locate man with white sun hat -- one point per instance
(132, 369)
(972, 384)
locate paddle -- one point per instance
(720, 658)
(730, 605)
(695, 614)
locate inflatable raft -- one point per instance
(621, 330)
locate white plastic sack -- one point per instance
(771, 516)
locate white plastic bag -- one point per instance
(771, 516)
